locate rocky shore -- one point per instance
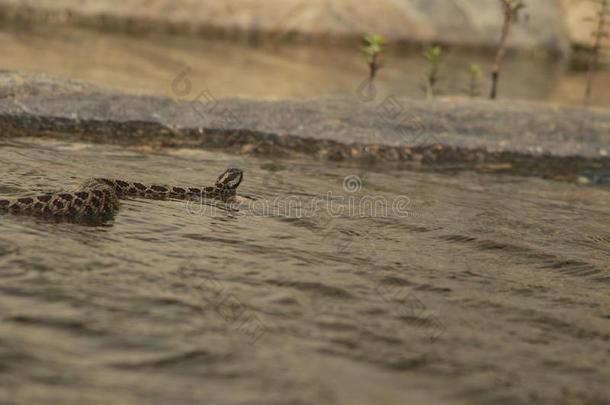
(566, 143)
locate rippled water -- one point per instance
(469, 289)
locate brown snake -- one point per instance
(98, 199)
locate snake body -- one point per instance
(98, 198)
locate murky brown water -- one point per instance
(449, 289)
(148, 65)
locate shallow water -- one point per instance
(225, 69)
(454, 288)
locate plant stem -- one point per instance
(432, 79)
(594, 57)
(373, 67)
(509, 15)
(472, 89)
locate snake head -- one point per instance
(230, 179)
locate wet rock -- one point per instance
(507, 136)
(17, 85)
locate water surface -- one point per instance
(468, 288)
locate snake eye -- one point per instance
(230, 179)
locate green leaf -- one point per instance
(433, 54)
(475, 70)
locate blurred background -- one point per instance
(274, 49)
(489, 286)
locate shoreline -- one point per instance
(557, 142)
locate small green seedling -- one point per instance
(373, 48)
(434, 57)
(511, 10)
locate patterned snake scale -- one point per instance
(99, 198)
